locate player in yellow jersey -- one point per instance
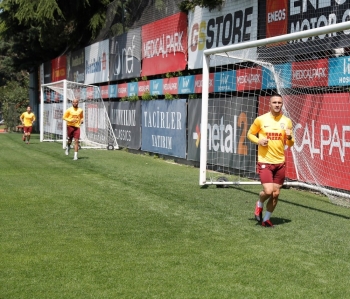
(74, 117)
(27, 119)
(271, 132)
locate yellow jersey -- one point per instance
(272, 128)
(27, 119)
(73, 116)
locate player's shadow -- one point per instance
(275, 221)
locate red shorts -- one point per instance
(27, 129)
(73, 132)
(272, 173)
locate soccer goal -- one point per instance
(311, 70)
(96, 130)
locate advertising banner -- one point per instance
(194, 129)
(143, 87)
(132, 89)
(52, 118)
(228, 124)
(291, 16)
(248, 79)
(122, 90)
(97, 62)
(225, 81)
(199, 82)
(170, 86)
(126, 122)
(313, 73)
(47, 72)
(76, 66)
(59, 68)
(283, 73)
(104, 92)
(164, 45)
(339, 71)
(186, 84)
(322, 132)
(157, 87)
(235, 22)
(323, 141)
(227, 132)
(164, 127)
(125, 55)
(112, 91)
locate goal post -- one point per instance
(311, 70)
(96, 130)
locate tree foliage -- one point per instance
(187, 5)
(14, 99)
(41, 30)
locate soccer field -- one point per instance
(119, 225)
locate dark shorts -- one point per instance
(272, 173)
(73, 132)
(27, 129)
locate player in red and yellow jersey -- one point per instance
(74, 117)
(27, 119)
(271, 132)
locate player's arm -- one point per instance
(289, 134)
(253, 131)
(66, 116)
(21, 118)
(81, 117)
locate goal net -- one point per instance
(96, 130)
(311, 70)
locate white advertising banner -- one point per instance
(97, 62)
(235, 22)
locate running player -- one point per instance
(74, 117)
(274, 131)
(27, 119)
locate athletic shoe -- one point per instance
(267, 223)
(75, 158)
(258, 213)
(67, 150)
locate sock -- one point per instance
(267, 216)
(260, 204)
(75, 154)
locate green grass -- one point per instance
(120, 225)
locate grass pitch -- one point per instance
(120, 225)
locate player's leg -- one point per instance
(29, 131)
(279, 172)
(266, 179)
(76, 142)
(24, 137)
(70, 137)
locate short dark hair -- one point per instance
(275, 94)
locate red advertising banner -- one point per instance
(143, 86)
(164, 45)
(276, 17)
(198, 82)
(104, 91)
(89, 93)
(170, 86)
(321, 127)
(248, 79)
(59, 68)
(122, 90)
(310, 73)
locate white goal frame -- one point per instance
(205, 98)
(108, 141)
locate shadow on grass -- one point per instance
(274, 220)
(297, 205)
